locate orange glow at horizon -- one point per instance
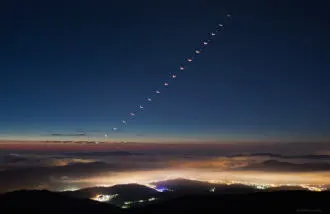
(148, 177)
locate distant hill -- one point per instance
(126, 192)
(172, 189)
(175, 188)
(185, 186)
(181, 183)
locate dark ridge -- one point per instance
(274, 202)
(262, 202)
(51, 203)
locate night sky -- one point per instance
(73, 66)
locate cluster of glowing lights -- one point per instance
(310, 187)
(261, 186)
(152, 199)
(314, 188)
(104, 198)
(128, 204)
(174, 75)
(158, 189)
(70, 189)
(163, 189)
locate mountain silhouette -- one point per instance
(43, 201)
(263, 202)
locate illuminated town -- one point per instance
(128, 204)
(310, 187)
(104, 198)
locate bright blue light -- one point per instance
(161, 189)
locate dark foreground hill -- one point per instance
(20, 202)
(263, 202)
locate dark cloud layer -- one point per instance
(314, 157)
(273, 165)
(68, 135)
(46, 177)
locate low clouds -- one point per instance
(65, 165)
(271, 155)
(12, 160)
(63, 170)
(277, 166)
(50, 177)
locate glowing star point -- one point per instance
(166, 84)
(124, 121)
(141, 107)
(157, 92)
(181, 68)
(173, 76)
(132, 114)
(212, 34)
(149, 99)
(189, 60)
(197, 52)
(205, 43)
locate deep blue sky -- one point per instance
(85, 65)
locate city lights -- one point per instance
(104, 198)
